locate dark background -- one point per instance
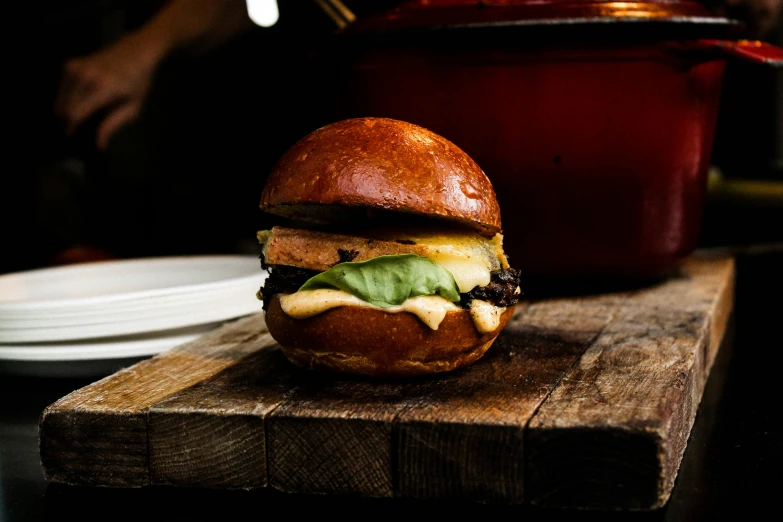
(185, 178)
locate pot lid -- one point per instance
(432, 14)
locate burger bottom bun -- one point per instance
(367, 341)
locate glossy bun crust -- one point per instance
(365, 341)
(380, 164)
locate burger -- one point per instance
(390, 261)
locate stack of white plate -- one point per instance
(94, 318)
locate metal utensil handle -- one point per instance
(337, 11)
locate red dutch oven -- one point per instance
(594, 120)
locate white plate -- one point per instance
(176, 317)
(111, 281)
(126, 297)
(91, 358)
(107, 348)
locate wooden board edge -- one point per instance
(66, 428)
(87, 449)
(670, 444)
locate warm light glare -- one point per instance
(263, 12)
(632, 10)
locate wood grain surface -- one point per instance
(464, 438)
(612, 434)
(98, 435)
(582, 402)
(212, 434)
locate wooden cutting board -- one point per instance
(581, 402)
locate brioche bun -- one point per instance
(372, 342)
(371, 172)
(339, 171)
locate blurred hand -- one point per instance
(112, 82)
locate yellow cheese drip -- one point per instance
(468, 274)
(469, 257)
(430, 309)
(486, 316)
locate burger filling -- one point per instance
(427, 273)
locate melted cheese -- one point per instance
(468, 274)
(469, 257)
(301, 305)
(486, 316)
(263, 236)
(430, 309)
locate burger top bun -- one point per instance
(339, 171)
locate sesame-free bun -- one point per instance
(340, 171)
(367, 341)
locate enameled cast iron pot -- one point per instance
(594, 120)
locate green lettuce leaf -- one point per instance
(387, 281)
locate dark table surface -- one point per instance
(731, 468)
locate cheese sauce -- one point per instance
(469, 257)
(430, 309)
(486, 316)
(468, 274)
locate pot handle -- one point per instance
(748, 50)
